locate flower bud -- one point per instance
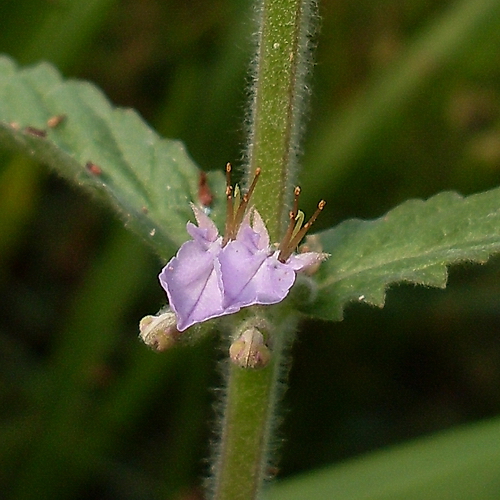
(249, 350)
(159, 332)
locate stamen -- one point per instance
(229, 204)
(296, 194)
(236, 205)
(242, 207)
(296, 239)
(298, 225)
(237, 201)
(254, 183)
(291, 226)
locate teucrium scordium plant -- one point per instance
(154, 184)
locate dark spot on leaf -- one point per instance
(37, 132)
(93, 168)
(54, 121)
(205, 195)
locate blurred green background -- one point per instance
(405, 103)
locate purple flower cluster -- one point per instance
(210, 277)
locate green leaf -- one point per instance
(460, 464)
(109, 151)
(413, 243)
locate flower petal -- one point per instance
(302, 261)
(255, 235)
(253, 277)
(205, 280)
(193, 283)
(192, 278)
(206, 231)
(260, 228)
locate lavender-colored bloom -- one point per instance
(251, 271)
(192, 279)
(205, 280)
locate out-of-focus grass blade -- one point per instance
(460, 464)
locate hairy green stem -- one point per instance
(280, 71)
(242, 456)
(244, 452)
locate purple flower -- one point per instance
(192, 279)
(206, 279)
(251, 271)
